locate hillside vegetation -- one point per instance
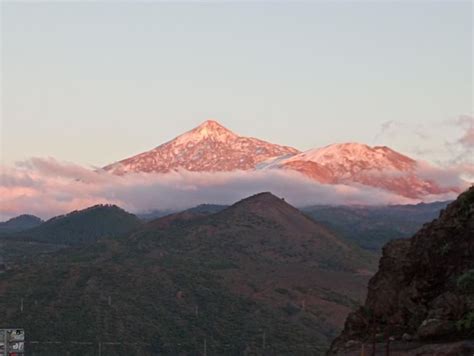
(83, 226)
(259, 275)
(20, 223)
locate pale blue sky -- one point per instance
(96, 82)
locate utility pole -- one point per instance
(100, 348)
(21, 305)
(205, 347)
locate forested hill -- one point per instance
(83, 226)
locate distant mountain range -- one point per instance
(371, 227)
(210, 147)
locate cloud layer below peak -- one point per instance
(46, 187)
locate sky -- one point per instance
(95, 82)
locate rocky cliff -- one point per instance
(421, 300)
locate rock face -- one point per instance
(423, 291)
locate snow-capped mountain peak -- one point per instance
(209, 129)
(209, 147)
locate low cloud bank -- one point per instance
(46, 187)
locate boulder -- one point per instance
(435, 328)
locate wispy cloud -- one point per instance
(462, 148)
(448, 143)
(386, 128)
(467, 139)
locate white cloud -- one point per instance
(46, 187)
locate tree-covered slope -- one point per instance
(20, 223)
(83, 226)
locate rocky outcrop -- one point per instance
(423, 292)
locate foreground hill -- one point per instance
(83, 226)
(371, 227)
(20, 223)
(256, 275)
(423, 293)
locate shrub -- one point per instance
(465, 282)
(466, 323)
(281, 290)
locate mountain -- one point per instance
(257, 277)
(423, 293)
(350, 163)
(83, 226)
(210, 147)
(371, 227)
(20, 223)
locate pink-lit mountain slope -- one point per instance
(210, 147)
(349, 163)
